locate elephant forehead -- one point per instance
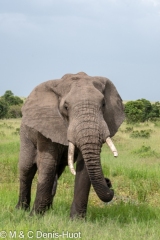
(82, 82)
(89, 83)
(84, 89)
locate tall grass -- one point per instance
(134, 212)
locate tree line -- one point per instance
(10, 105)
(140, 110)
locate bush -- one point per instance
(11, 99)
(14, 111)
(134, 111)
(146, 151)
(128, 129)
(3, 108)
(141, 110)
(10, 105)
(155, 113)
(140, 134)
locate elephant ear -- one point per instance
(41, 112)
(114, 109)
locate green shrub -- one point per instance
(146, 151)
(10, 105)
(140, 134)
(141, 110)
(155, 113)
(3, 108)
(128, 129)
(133, 111)
(11, 99)
(14, 111)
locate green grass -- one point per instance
(134, 212)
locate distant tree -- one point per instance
(138, 111)
(141, 110)
(134, 111)
(3, 108)
(147, 109)
(14, 111)
(10, 105)
(155, 113)
(17, 101)
(11, 99)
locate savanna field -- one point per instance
(133, 214)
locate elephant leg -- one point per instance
(54, 188)
(27, 169)
(60, 168)
(48, 155)
(81, 190)
(46, 187)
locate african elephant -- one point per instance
(65, 121)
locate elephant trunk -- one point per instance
(91, 155)
(88, 131)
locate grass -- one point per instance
(134, 212)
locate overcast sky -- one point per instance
(45, 39)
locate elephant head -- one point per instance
(79, 111)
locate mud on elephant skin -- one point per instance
(64, 121)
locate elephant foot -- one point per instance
(79, 216)
(37, 214)
(38, 210)
(22, 206)
(77, 213)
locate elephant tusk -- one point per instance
(112, 147)
(71, 158)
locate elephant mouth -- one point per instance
(71, 150)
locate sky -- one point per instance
(45, 39)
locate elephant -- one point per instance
(64, 121)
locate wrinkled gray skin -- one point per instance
(77, 108)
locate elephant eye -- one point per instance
(103, 103)
(66, 106)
